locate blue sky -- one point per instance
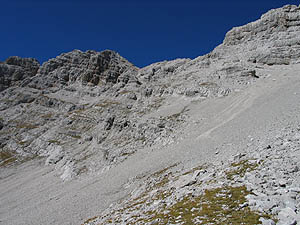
(141, 31)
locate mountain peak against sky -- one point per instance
(88, 136)
(142, 31)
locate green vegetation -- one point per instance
(202, 167)
(9, 158)
(240, 169)
(89, 220)
(163, 177)
(23, 142)
(220, 205)
(208, 84)
(6, 158)
(215, 206)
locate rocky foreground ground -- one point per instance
(211, 140)
(259, 185)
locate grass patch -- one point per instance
(202, 167)
(9, 158)
(208, 84)
(23, 143)
(215, 206)
(26, 125)
(240, 169)
(162, 177)
(107, 103)
(220, 205)
(6, 158)
(89, 220)
(163, 171)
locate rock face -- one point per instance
(85, 112)
(273, 39)
(85, 67)
(102, 96)
(15, 69)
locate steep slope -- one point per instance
(96, 117)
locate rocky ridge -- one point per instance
(85, 112)
(81, 104)
(15, 69)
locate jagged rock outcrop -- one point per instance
(274, 39)
(91, 67)
(15, 69)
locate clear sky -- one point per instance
(142, 31)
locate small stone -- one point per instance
(266, 221)
(56, 154)
(244, 205)
(282, 183)
(88, 138)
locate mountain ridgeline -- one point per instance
(85, 113)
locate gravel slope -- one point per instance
(225, 125)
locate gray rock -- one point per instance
(148, 92)
(88, 138)
(266, 221)
(85, 67)
(287, 216)
(282, 182)
(251, 73)
(271, 26)
(184, 181)
(56, 154)
(16, 69)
